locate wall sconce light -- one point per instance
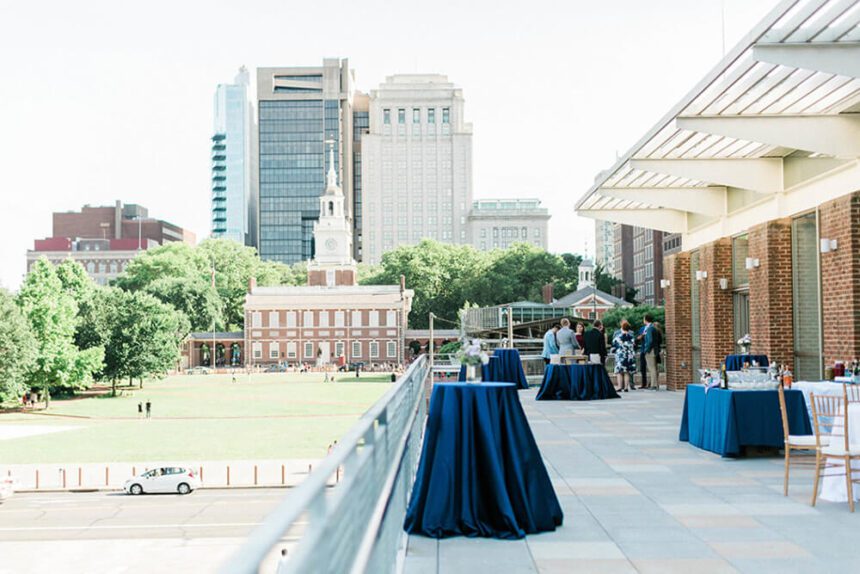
(724, 283)
(751, 263)
(664, 283)
(701, 275)
(828, 245)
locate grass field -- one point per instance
(202, 417)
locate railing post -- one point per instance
(283, 475)
(80, 477)
(107, 475)
(37, 479)
(228, 475)
(510, 327)
(255, 475)
(64, 478)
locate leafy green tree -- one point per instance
(174, 259)
(571, 281)
(51, 313)
(634, 315)
(191, 296)
(440, 274)
(141, 335)
(16, 347)
(518, 273)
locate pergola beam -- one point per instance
(704, 200)
(763, 175)
(842, 58)
(669, 220)
(837, 135)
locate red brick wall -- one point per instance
(679, 352)
(715, 303)
(840, 278)
(341, 277)
(771, 321)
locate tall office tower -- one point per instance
(299, 110)
(416, 178)
(360, 126)
(604, 245)
(233, 173)
(623, 252)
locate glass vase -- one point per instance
(473, 373)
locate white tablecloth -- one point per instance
(819, 388)
(833, 488)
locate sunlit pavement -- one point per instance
(637, 500)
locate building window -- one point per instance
(374, 319)
(374, 349)
(323, 319)
(256, 319)
(308, 319)
(356, 319)
(91, 267)
(446, 115)
(386, 116)
(338, 318)
(291, 318)
(338, 349)
(291, 350)
(401, 115)
(431, 115)
(483, 233)
(391, 349)
(391, 319)
(356, 349)
(273, 319)
(416, 116)
(309, 350)
(258, 350)
(273, 351)
(113, 266)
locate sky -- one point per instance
(105, 100)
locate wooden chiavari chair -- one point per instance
(830, 419)
(794, 443)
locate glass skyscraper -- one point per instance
(233, 173)
(300, 109)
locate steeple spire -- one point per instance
(331, 178)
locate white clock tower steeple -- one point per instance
(332, 263)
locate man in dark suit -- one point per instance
(595, 341)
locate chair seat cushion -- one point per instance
(806, 440)
(839, 450)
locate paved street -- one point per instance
(637, 500)
(111, 532)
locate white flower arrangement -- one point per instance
(471, 353)
(745, 341)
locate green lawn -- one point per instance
(203, 417)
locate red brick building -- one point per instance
(757, 169)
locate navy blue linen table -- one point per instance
(736, 362)
(723, 421)
(508, 368)
(576, 383)
(481, 473)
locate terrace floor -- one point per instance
(637, 500)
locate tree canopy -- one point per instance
(17, 348)
(634, 315)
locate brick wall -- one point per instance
(715, 303)
(840, 278)
(679, 352)
(771, 320)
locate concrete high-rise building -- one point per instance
(499, 223)
(234, 163)
(416, 163)
(299, 109)
(360, 126)
(604, 245)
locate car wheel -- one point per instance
(183, 488)
(136, 489)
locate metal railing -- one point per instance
(356, 526)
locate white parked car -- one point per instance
(164, 479)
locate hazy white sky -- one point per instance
(105, 100)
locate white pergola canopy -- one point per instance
(772, 130)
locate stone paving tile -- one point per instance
(759, 549)
(684, 566)
(574, 550)
(590, 566)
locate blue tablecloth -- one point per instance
(723, 421)
(576, 383)
(508, 368)
(736, 362)
(481, 473)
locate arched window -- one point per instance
(331, 208)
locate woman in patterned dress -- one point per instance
(625, 356)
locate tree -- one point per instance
(196, 299)
(518, 273)
(440, 274)
(16, 347)
(634, 315)
(571, 262)
(51, 313)
(141, 335)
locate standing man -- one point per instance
(140, 410)
(650, 350)
(566, 339)
(550, 343)
(148, 409)
(595, 341)
(643, 366)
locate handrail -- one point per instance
(375, 446)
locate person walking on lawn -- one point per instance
(148, 409)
